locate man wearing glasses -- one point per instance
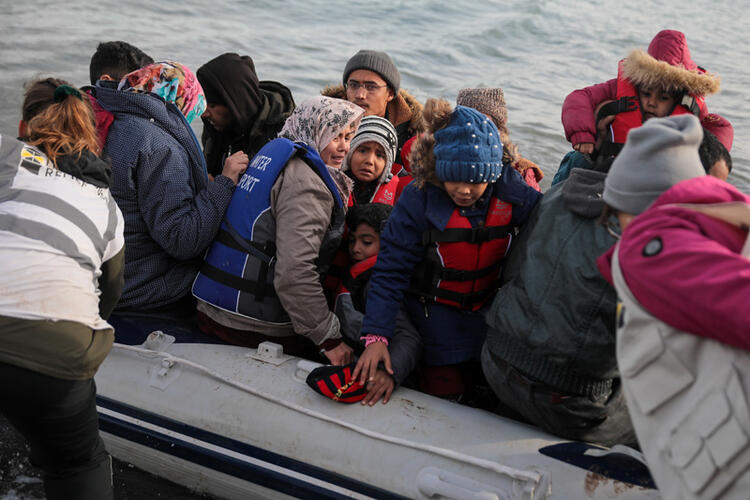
(372, 82)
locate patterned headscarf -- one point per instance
(171, 81)
(318, 120)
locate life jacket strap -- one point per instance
(691, 105)
(464, 300)
(621, 105)
(258, 288)
(265, 253)
(465, 235)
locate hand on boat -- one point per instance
(367, 365)
(381, 386)
(340, 355)
(235, 166)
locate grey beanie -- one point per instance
(379, 62)
(380, 130)
(656, 156)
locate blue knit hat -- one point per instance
(468, 149)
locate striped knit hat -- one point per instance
(380, 130)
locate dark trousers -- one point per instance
(58, 419)
(602, 420)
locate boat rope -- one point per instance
(521, 475)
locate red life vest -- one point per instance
(386, 193)
(463, 263)
(626, 120)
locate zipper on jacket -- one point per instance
(424, 304)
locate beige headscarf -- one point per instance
(318, 120)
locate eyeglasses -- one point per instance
(369, 86)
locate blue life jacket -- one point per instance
(237, 273)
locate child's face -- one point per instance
(364, 242)
(367, 161)
(655, 102)
(465, 194)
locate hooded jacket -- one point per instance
(403, 111)
(667, 63)
(172, 212)
(258, 108)
(682, 273)
(450, 335)
(694, 279)
(554, 316)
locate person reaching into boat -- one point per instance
(262, 276)
(660, 82)
(372, 82)
(242, 113)
(172, 212)
(61, 236)
(682, 273)
(366, 222)
(443, 247)
(491, 102)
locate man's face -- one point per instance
(369, 91)
(218, 115)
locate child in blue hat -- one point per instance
(442, 250)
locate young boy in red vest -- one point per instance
(443, 247)
(365, 222)
(660, 82)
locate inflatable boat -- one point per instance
(235, 422)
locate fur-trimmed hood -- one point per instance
(668, 64)
(402, 109)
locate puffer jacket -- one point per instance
(685, 267)
(424, 205)
(554, 316)
(404, 112)
(668, 46)
(171, 211)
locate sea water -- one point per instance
(536, 50)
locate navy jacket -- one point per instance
(172, 212)
(443, 328)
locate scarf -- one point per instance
(171, 81)
(318, 120)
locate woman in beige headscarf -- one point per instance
(303, 222)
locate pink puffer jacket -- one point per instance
(686, 267)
